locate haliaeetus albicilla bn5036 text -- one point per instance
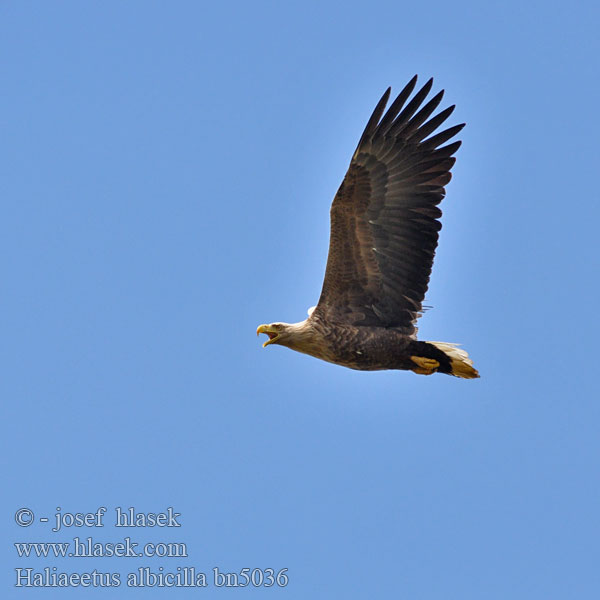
(384, 232)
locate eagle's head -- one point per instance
(297, 336)
(302, 337)
(278, 333)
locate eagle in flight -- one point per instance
(384, 232)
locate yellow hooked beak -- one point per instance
(270, 331)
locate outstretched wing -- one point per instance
(385, 215)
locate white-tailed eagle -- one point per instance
(384, 232)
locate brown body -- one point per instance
(358, 347)
(364, 348)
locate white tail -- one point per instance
(462, 365)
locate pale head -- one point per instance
(278, 333)
(292, 335)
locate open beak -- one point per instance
(273, 335)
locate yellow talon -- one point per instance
(425, 366)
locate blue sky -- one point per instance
(167, 171)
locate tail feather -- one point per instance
(461, 364)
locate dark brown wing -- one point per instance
(385, 216)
